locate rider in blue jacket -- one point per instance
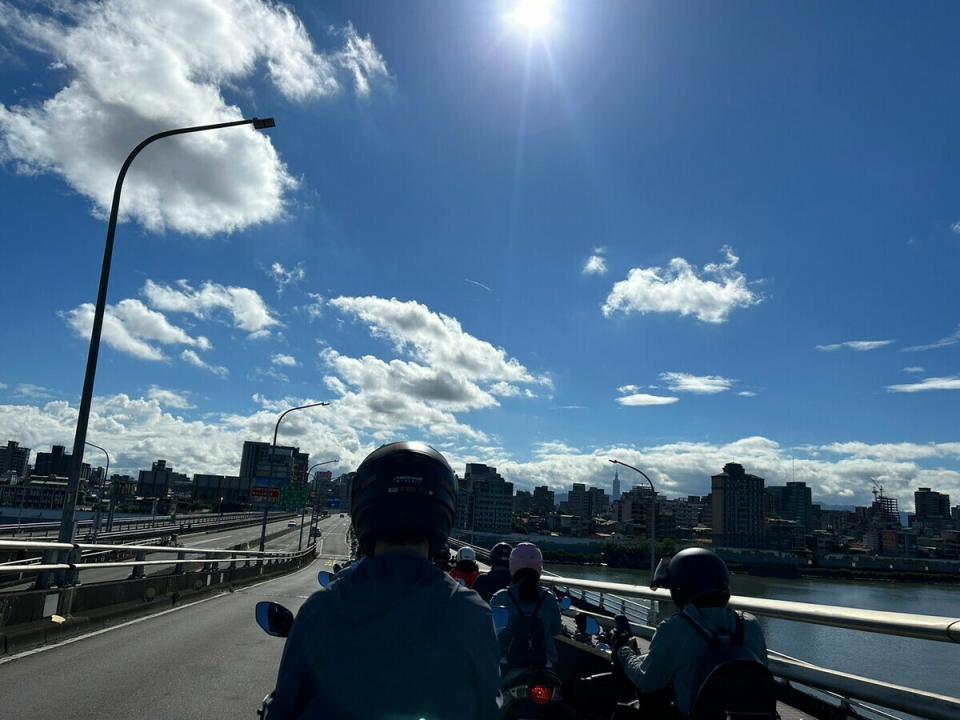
(374, 643)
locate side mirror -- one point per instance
(501, 618)
(324, 577)
(592, 626)
(274, 618)
(566, 603)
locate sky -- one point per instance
(538, 235)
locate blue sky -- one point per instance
(675, 233)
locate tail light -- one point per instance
(541, 694)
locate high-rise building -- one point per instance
(15, 458)
(258, 466)
(578, 502)
(615, 494)
(598, 501)
(793, 501)
(484, 500)
(161, 481)
(522, 502)
(929, 504)
(211, 488)
(544, 501)
(738, 515)
(58, 462)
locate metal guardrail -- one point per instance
(137, 522)
(620, 598)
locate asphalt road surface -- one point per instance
(205, 660)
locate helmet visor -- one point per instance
(661, 576)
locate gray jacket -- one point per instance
(549, 614)
(393, 639)
(676, 650)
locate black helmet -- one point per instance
(403, 490)
(500, 555)
(694, 575)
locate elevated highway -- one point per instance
(207, 659)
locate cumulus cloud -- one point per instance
(314, 309)
(284, 360)
(943, 342)
(932, 383)
(627, 389)
(858, 345)
(33, 392)
(699, 384)
(138, 67)
(642, 399)
(131, 327)
(245, 307)
(595, 265)
(170, 398)
(710, 295)
(283, 276)
(190, 357)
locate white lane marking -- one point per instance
(203, 542)
(78, 638)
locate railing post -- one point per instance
(72, 576)
(138, 570)
(46, 577)
(179, 569)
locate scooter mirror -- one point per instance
(501, 618)
(565, 603)
(592, 626)
(274, 618)
(325, 578)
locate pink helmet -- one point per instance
(526, 555)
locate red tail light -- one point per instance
(541, 694)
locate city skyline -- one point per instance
(534, 255)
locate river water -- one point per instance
(922, 664)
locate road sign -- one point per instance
(292, 498)
(270, 482)
(266, 493)
(333, 503)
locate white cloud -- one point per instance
(504, 389)
(699, 384)
(246, 308)
(33, 392)
(642, 399)
(914, 369)
(284, 360)
(139, 66)
(943, 342)
(313, 310)
(858, 345)
(3, 386)
(130, 326)
(627, 389)
(595, 265)
(283, 277)
(746, 393)
(170, 398)
(478, 284)
(710, 296)
(931, 383)
(893, 452)
(956, 227)
(189, 356)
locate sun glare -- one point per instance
(533, 15)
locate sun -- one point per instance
(532, 15)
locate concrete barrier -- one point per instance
(25, 616)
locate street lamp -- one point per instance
(86, 397)
(106, 474)
(653, 516)
(316, 502)
(273, 453)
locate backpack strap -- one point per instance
(520, 611)
(714, 638)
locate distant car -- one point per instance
(292, 523)
(315, 532)
(341, 514)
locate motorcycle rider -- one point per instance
(363, 647)
(466, 569)
(699, 585)
(498, 577)
(526, 597)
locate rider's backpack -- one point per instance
(732, 683)
(525, 644)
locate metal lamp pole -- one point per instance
(273, 453)
(106, 474)
(316, 500)
(653, 515)
(69, 506)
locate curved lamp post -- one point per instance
(316, 502)
(70, 502)
(653, 515)
(273, 453)
(106, 474)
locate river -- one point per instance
(921, 664)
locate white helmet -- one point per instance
(466, 553)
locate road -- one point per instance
(203, 540)
(205, 660)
